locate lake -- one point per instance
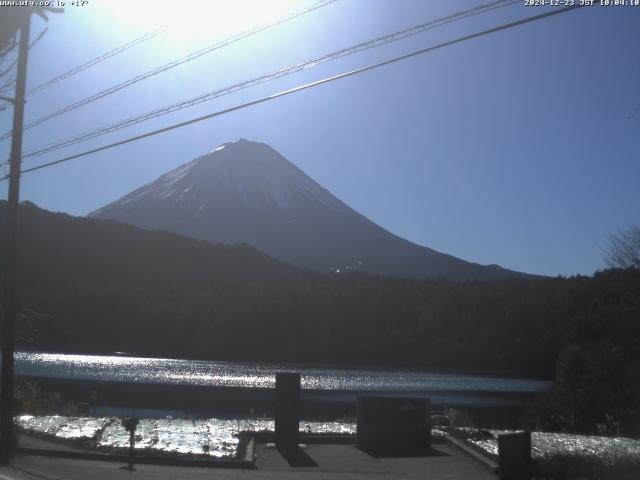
(190, 378)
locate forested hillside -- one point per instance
(516, 326)
(61, 251)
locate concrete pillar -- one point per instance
(287, 408)
(514, 456)
(393, 424)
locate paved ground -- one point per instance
(29, 441)
(334, 462)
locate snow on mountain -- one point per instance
(246, 192)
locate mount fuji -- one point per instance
(246, 192)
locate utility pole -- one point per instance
(9, 300)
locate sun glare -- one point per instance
(197, 20)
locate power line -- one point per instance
(4, 58)
(305, 87)
(386, 39)
(6, 87)
(13, 44)
(11, 65)
(97, 60)
(15, 61)
(173, 64)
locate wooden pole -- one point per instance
(10, 307)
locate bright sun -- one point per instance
(193, 20)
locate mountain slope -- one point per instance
(246, 192)
(57, 250)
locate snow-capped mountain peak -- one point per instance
(246, 192)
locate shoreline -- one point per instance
(240, 402)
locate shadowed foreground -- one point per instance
(333, 462)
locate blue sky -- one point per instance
(520, 148)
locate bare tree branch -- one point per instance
(624, 248)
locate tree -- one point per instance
(624, 248)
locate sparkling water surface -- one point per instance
(244, 375)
